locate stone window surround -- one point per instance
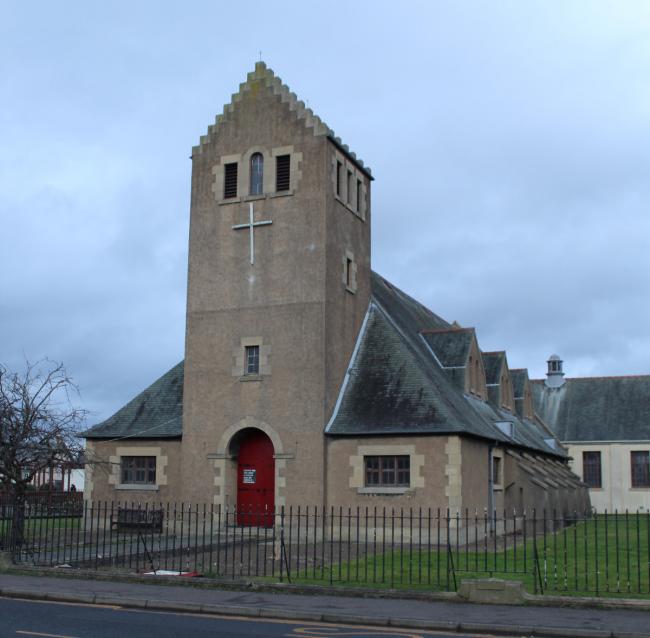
(342, 197)
(453, 473)
(239, 356)
(498, 454)
(115, 461)
(358, 468)
(352, 287)
(243, 175)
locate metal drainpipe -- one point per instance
(491, 486)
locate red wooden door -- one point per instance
(256, 481)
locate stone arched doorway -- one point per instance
(255, 477)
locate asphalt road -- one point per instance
(19, 618)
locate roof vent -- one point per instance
(554, 375)
(507, 427)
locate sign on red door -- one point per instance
(255, 481)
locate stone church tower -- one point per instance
(278, 286)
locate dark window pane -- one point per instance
(389, 471)
(640, 469)
(359, 195)
(138, 470)
(230, 181)
(339, 169)
(350, 182)
(282, 173)
(591, 469)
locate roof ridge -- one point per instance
(493, 352)
(303, 112)
(615, 376)
(620, 376)
(450, 329)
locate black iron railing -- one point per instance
(596, 553)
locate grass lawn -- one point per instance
(607, 555)
(35, 527)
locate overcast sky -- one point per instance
(510, 142)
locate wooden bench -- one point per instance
(138, 519)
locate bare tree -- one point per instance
(38, 428)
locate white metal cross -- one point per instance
(251, 225)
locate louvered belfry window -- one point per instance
(257, 174)
(230, 180)
(282, 173)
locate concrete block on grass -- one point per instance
(492, 590)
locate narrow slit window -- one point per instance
(348, 272)
(358, 195)
(339, 170)
(252, 360)
(282, 173)
(257, 174)
(230, 180)
(350, 182)
(496, 470)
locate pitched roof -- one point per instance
(395, 386)
(450, 345)
(493, 364)
(596, 408)
(156, 413)
(265, 75)
(518, 376)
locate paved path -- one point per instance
(441, 615)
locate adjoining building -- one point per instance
(605, 424)
(308, 378)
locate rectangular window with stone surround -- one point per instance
(138, 470)
(252, 360)
(387, 471)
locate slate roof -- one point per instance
(596, 408)
(156, 413)
(394, 385)
(450, 345)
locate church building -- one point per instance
(309, 379)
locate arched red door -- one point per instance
(255, 480)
